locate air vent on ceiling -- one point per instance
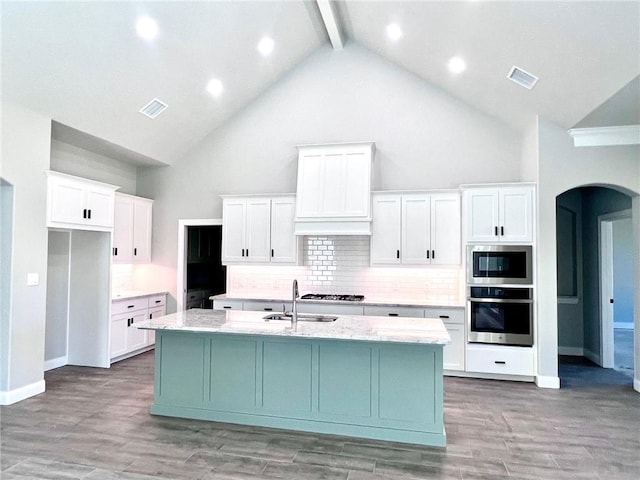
(154, 108)
(522, 78)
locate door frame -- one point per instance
(605, 271)
(181, 288)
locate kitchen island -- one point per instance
(356, 376)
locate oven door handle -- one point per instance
(499, 300)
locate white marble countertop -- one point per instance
(346, 327)
(369, 301)
(121, 295)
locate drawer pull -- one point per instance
(444, 316)
(393, 314)
(227, 306)
(158, 301)
(130, 306)
(500, 362)
(268, 309)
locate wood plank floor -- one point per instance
(95, 424)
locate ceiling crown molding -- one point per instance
(606, 136)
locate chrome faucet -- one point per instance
(296, 294)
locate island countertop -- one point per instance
(346, 327)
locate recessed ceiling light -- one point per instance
(394, 32)
(457, 65)
(214, 87)
(147, 28)
(265, 46)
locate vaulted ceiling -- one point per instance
(83, 65)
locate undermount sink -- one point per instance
(301, 317)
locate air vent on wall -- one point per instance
(154, 108)
(522, 78)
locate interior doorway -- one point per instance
(200, 270)
(616, 287)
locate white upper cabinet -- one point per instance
(132, 229)
(502, 214)
(258, 230)
(78, 203)
(334, 189)
(416, 229)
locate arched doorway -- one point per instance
(587, 219)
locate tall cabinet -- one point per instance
(132, 229)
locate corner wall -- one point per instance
(561, 168)
(26, 141)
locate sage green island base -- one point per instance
(387, 390)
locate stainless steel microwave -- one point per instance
(499, 265)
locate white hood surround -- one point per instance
(333, 195)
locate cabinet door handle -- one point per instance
(84, 213)
(129, 321)
(444, 316)
(272, 252)
(135, 251)
(268, 309)
(392, 314)
(397, 253)
(428, 253)
(247, 252)
(116, 249)
(89, 213)
(500, 362)
(243, 252)
(502, 231)
(433, 254)
(495, 230)
(150, 316)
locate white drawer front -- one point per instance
(157, 301)
(505, 360)
(129, 305)
(450, 315)
(227, 305)
(382, 311)
(258, 306)
(330, 308)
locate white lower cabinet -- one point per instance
(126, 339)
(453, 319)
(500, 359)
(393, 311)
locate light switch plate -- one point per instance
(33, 279)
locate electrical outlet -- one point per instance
(33, 279)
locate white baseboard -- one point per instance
(9, 397)
(636, 385)
(543, 381)
(55, 363)
(571, 351)
(595, 358)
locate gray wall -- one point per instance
(623, 286)
(569, 261)
(425, 139)
(6, 230)
(77, 161)
(595, 201)
(26, 141)
(57, 295)
(563, 167)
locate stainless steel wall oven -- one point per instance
(500, 315)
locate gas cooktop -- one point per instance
(330, 296)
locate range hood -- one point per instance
(333, 196)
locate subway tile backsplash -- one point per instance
(340, 264)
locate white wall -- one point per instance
(425, 139)
(26, 141)
(77, 161)
(6, 236)
(563, 167)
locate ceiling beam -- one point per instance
(331, 23)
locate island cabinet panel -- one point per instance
(380, 390)
(286, 377)
(233, 373)
(181, 358)
(344, 381)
